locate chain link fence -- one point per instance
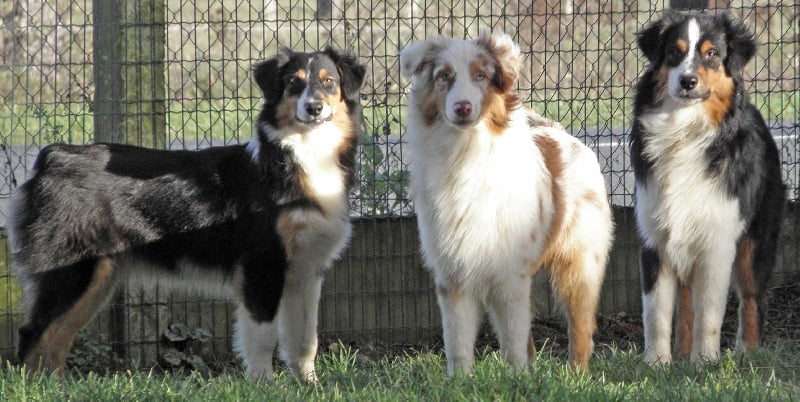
(580, 62)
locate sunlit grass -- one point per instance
(768, 374)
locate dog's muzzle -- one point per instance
(314, 113)
(686, 88)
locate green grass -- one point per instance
(769, 374)
(231, 119)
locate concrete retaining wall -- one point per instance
(378, 293)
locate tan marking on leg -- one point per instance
(684, 317)
(749, 317)
(747, 290)
(35, 359)
(531, 346)
(552, 154)
(565, 256)
(51, 350)
(452, 292)
(580, 297)
(289, 230)
(581, 309)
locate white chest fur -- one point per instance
(684, 210)
(480, 200)
(314, 237)
(317, 153)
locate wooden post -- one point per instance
(324, 9)
(143, 47)
(129, 102)
(129, 72)
(107, 67)
(696, 4)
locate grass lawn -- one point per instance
(768, 374)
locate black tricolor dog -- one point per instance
(258, 223)
(709, 195)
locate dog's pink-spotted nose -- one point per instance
(462, 108)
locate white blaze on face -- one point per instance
(675, 74)
(464, 88)
(306, 97)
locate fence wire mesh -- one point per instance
(580, 63)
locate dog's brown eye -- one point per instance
(327, 82)
(710, 54)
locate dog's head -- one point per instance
(305, 90)
(463, 82)
(697, 57)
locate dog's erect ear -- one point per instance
(351, 70)
(508, 56)
(418, 56)
(741, 44)
(266, 74)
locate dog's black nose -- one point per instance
(314, 108)
(688, 82)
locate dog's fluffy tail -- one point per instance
(537, 120)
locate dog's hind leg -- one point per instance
(65, 300)
(577, 282)
(747, 290)
(753, 268)
(297, 329)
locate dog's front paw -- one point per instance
(657, 359)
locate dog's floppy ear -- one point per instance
(351, 70)
(650, 41)
(417, 56)
(741, 44)
(266, 74)
(651, 38)
(508, 57)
